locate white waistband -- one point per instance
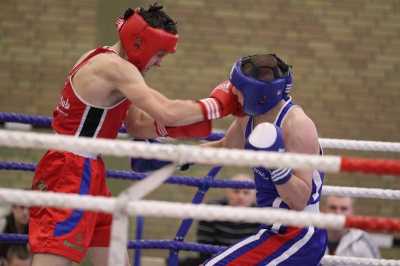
(86, 154)
(83, 154)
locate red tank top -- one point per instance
(73, 116)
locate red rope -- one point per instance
(371, 166)
(373, 223)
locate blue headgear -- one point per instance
(261, 96)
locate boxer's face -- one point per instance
(155, 60)
(239, 94)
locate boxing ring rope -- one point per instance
(361, 145)
(376, 193)
(201, 211)
(170, 244)
(340, 164)
(186, 210)
(182, 154)
(174, 245)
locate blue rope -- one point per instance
(129, 175)
(171, 244)
(135, 244)
(13, 238)
(45, 121)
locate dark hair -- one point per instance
(155, 17)
(19, 251)
(265, 61)
(10, 228)
(266, 67)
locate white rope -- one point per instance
(187, 154)
(376, 193)
(344, 144)
(127, 204)
(192, 154)
(182, 210)
(359, 145)
(187, 210)
(236, 214)
(53, 199)
(353, 261)
(172, 209)
(364, 145)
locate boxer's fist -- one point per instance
(222, 102)
(141, 165)
(199, 130)
(268, 137)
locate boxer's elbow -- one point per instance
(296, 200)
(297, 205)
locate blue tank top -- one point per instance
(267, 195)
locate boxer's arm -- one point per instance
(106, 86)
(199, 130)
(300, 136)
(126, 80)
(139, 124)
(130, 83)
(234, 137)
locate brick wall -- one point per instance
(345, 56)
(39, 44)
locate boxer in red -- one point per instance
(104, 90)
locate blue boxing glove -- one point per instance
(142, 165)
(268, 137)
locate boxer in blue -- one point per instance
(273, 123)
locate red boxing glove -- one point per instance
(222, 102)
(199, 130)
(239, 112)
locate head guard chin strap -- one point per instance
(261, 96)
(141, 41)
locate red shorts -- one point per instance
(69, 232)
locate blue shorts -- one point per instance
(296, 246)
